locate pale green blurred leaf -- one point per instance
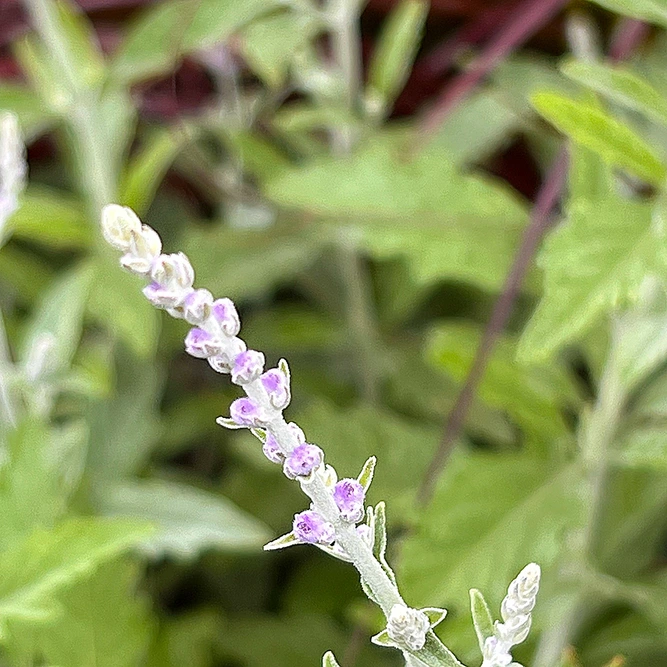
(36, 568)
(188, 520)
(413, 206)
(593, 263)
(534, 397)
(653, 11)
(481, 617)
(116, 302)
(329, 660)
(165, 32)
(33, 117)
(270, 43)
(489, 517)
(621, 85)
(616, 143)
(395, 51)
(51, 218)
(60, 314)
(103, 621)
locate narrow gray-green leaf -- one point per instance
(329, 660)
(616, 143)
(620, 85)
(481, 617)
(653, 11)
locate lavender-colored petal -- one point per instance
(303, 460)
(277, 387)
(248, 366)
(197, 306)
(310, 527)
(164, 297)
(200, 343)
(223, 362)
(245, 412)
(272, 450)
(224, 312)
(349, 496)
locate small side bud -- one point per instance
(407, 627)
(118, 225)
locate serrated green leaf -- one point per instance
(586, 124)
(593, 263)
(620, 85)
(65, 226)
(418, 207)
(510, 509)
(36, 568)
(395, 51)
(188, 520)
(653, 11)
(481, 617)
(165, 32)
(534, 398)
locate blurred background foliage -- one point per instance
(365, 221)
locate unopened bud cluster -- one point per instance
(516, 611)
(214, 337)
(408, 627)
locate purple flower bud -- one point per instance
(310, 527)
(197, 306)
(245, 412)
(349, 496)
(163, 297)
(224, 312)
(224, 361)
(277, 387)
(248, 366)
(303, 460)
(200, 343)
(272, 450)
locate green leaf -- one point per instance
(643, 449)
(31, 488)
(510, 509)
(116, 302)
(366, 475)
(534, 398)
(34, 118)
(593, 264)
(103, 622)
(586, 124)
(395, 52)
(653, 11)
(26, 273)
(188, 520)
(481, 617)
(167, 31)
(435, 615)
(413, 206)
(60, 315)
(270, 43)
(35, 569)
(329, 660)
(620, 85)
(148, 167)
(287, 540)
(64, 227)
(383, 639)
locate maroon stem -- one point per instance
(629, 35)
(522, 23)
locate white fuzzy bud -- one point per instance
(197, 306)
(407, 627)
(119, 223)
(145, 246)
(516, 611)
(173, 271)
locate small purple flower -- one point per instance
(164, 297)
(197, 306)
(303, 460)
(248, 366)
(245, 412)
(272, 450)
(223, 362)
(224, 312)
(310, 527)
(200, 343)
(277, 387)
(349, 496)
